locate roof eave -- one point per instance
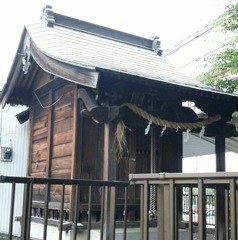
(14, 71)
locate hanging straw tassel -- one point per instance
(120, 139)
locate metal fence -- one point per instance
(161, 194)
(108, 204)
(169, 191)
(209, 208)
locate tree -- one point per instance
(223, 73)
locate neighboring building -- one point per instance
(14, 137)
(83, 85)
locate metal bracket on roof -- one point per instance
(156, 46)
(47, 15)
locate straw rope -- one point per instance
(169, 124)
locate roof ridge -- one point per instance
(51, 19)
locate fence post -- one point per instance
(160, 211)
(144, 210)
(220, 148)
(233, 212)
(109, 213)
(201, 211)
(26, 211)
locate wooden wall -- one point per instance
(89, 155)
(63, 144)
(52, 138)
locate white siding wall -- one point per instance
(13, 134)
(195, 146)
(199, 155)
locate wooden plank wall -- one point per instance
(39, 136)
(52, 143)
(90, 159)
(65, 145)
(62, 135)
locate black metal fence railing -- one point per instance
(209, 208)
(107, 202)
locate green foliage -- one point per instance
(223, 73)
(210, 191)
(220, 82)
(228, 20)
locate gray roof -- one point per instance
(83, 49)
(78, 51)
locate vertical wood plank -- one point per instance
(75, 119)
(74, 142)
(49, 137)
(30, 133)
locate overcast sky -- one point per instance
(171, 20)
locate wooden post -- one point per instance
(109, 167)
(220, 149)
(49, 137)
(74, 141)
(30, 133)
(220, 193)
(109, 173)
(171, 152)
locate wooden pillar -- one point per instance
(171, 154)
(109, 173)
(220, 193)
(220, 149)
(74, 142)
(49, 136)
(30, 148)
(109, 161)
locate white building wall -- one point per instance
(13, 134)
(199, 156)
(195, 146)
